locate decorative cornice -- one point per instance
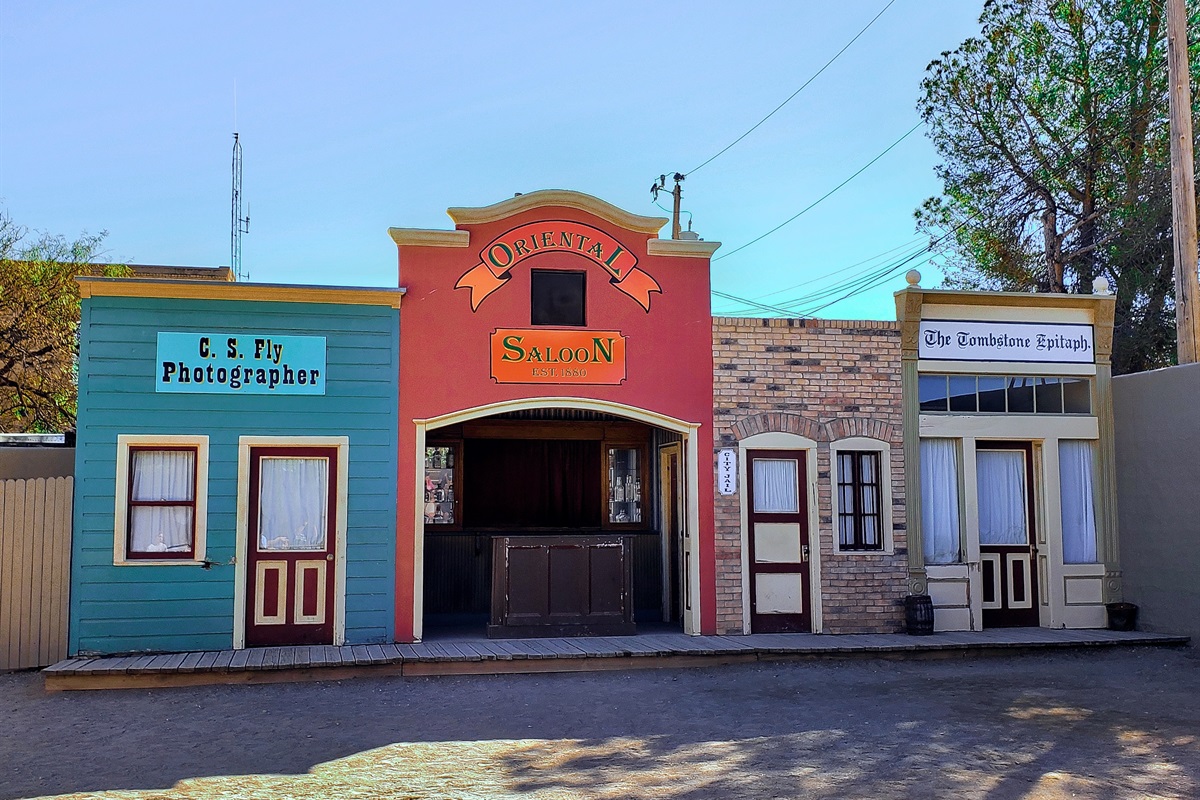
(562, 198)
(263, 292)
(681, 247)
(912, 302)
(424, 237)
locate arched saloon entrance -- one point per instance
(555, 516)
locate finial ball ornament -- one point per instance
(913, 277)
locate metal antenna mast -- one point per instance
(238, 223)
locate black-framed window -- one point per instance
(860, 513)
(557, 297)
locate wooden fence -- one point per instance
(35, 566)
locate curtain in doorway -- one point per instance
(1075, 461)
(939, 501)
(1003, 517)
(532, 483)
(776, 486)
(293, 501)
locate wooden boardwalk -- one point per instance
(471, 655)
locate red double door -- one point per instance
(291, 546)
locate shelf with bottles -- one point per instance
(441, 484)
(625, 476)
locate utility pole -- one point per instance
(677, 193)
(1183, 188)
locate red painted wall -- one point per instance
(445, 357)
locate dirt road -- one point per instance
(1117, 724)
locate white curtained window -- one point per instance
(162, 502)
(1003, 516)
(293, 501)
(1075, 459)
(939, 501)
(776, 485)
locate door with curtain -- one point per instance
(778, 537)
(291, 545)
(1007, 544)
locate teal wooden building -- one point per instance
(235, 465)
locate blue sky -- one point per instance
(118, 116)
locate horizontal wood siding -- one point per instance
(35, 550)
(185, 607)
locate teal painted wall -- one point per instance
(116, 609)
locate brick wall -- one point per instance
(825, 380)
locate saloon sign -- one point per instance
(950, 340)
(554, 356)
(504, 252)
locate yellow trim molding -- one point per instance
(681, 247)
(423, 237)
(562, 198)
(213, 290)
(1018, 299)
(121, 495)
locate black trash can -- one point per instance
(918, 614)
(1122, 616)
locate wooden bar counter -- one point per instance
(562, 585)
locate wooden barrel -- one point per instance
(1122, 616)
(918, 614)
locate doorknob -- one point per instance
(804, 552)
(329, 556)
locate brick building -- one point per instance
(821, 387)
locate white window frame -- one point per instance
(121, 515)
(886, 519)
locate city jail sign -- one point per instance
(243, 363)
(1041, 342)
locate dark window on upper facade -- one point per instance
(557, 297)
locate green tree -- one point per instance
(39, 324)
(1051, 126)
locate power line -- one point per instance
(822, 198)
(882, 275)
(842, 269)
(793, 94)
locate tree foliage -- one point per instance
(1052, 129)
(39, 324)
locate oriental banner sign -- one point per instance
(244, 363)
(504, 252)
(1039, 342)
(554, 356)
